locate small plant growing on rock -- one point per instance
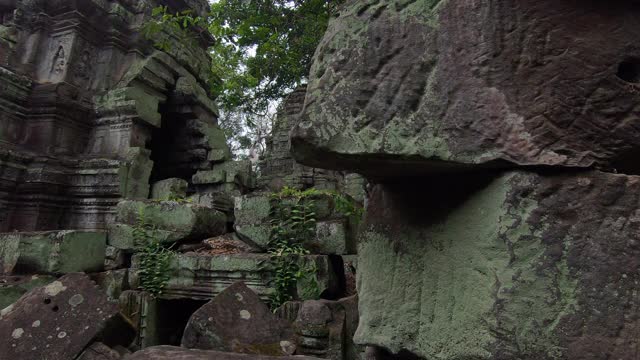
(293, 220)
(155, 259)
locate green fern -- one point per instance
(155, 259)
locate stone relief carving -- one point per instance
(59, 62)
(84, 68)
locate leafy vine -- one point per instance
(155, 259)
(293, 220)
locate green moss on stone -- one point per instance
(456, 288)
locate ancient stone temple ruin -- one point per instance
(104, 134)
(497, 140)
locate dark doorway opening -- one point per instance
(176, 147)
(173, 316)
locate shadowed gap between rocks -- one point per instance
(173, 316)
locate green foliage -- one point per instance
(183, 25)
(155, 259)
(293, 220)
(265, 48)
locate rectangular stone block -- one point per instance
(183, 220)
(254, 234)
(233, 172)
(332, 237)
(169, 189)
(216, 176)
(252, 209)
(121, 236)
(202, 277)
(59, 252)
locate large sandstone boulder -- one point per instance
(176, 353)
(238, 321)
(518, 266)
(408, 87)
(59, 320)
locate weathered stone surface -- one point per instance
(521, 265)
(85, 123)
(181, 220)
(253, 225)
(320, 330)
(13, 287)
(141, 310)
(412, 87)
(169, 189)
(324, 328)
(56, 321)
(99, 351)
(176, 353)
(278, 168)
(9, 252)
(112, 282)
(202, 276)
(352, 318)
(220, 201)
(254, 234)
(231, 176)
(236, 320)
(115, 258)
(121, 236)
(251, 213)
(58, 252)
(332, 237)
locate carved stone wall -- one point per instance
(88, 105)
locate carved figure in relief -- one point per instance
(59, 61)
(83, 69)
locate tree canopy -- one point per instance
(264, 48)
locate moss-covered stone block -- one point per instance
(182, 220)
(169, 189)
(134, 174)
(252, 223)
(142, 103)
(59, 252)
(120, 236)
(522, 266)
(9, 252)
(252, 209)
(202, 277)
(112, 282)
(332, 237)
(254, 234)
(217, 155)
(215, 176)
